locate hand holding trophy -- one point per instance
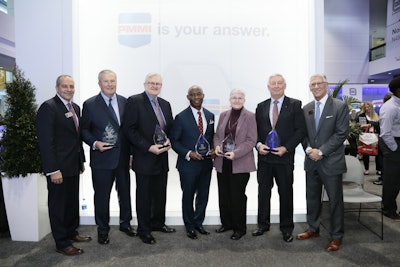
(202, 146)
(272, 141)
(110, 136)
(160, 137)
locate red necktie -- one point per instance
(200, 120)
(74, 116)
(275, 114)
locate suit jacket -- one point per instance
(95, 117)
(332, 130)
(245, 140)
(184, 136)
(290, 128)
(59, 143)
(139, 122)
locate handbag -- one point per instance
(368, 143)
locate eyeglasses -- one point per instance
(154, 84)
(237, 98)
(319, 84)
(277, 83)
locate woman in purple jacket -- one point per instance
(234, 140)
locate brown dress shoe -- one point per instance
(80, 238)
(70, 251)
(333, 245)
(307, 234)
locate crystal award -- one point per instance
(272, 140)
(228, 144)
(202, 146)
(110, 135)
(160, 137)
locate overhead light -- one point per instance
(389, 73)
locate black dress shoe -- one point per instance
(202, 231)
(191, 234)
(148, 239)
(70, 251)
(164, 229)
(103, 239)
(129, 231)
(287, 237)
(260, 231)
(222, 229)
(236, 236)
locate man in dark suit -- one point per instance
(284, 115)
(109, 154)
(57, 126)
(327, 121)
(194, 169)
(143, 113)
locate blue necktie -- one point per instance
(317, 114)
(112, 111)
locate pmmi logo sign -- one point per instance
(134, 29)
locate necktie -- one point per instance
(74, 116)
(317, 114)
(112, 111)
(275, 113)
(159, 114)
(200, 120)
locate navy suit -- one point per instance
(139, 122)
(109, 165)
(195, 175)
(61, 149)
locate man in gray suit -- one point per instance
(327, 122)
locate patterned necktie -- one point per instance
(159, 114)
(275, 114)
(317, 114)
(112, 111)
(200, 120)
(74, 116)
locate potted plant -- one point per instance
(20, 165)
(354, 128)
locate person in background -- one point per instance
(194, 169)
(379, 158)
(60, 145)
(109, 154)
(327, 122)
(234, 165)
(390, 145)
(369, 121)
(284, 115)
(144, 113)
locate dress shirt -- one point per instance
(389, 120)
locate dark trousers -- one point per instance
(195, 188)
(103, 181)
(283, 175)
(391, 177)
(334, 188)
(151, 194)
(63, 202)
(232, 197)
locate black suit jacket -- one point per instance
(95, 117)
(59, 143)
(139, 123)
(290, 127)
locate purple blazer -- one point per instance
(245, 141)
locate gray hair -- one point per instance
(106, 72)
(237, 91)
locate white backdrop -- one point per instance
(219, 45)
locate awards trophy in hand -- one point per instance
(160, 137)
(228, 144)
(202, 146)
(110, 136)
(272, 140)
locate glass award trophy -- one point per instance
(202, 146)
(272, 140)
(228, 144)
(110, 135)
(160, 137)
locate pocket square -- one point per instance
(328, 117)
(211, 122)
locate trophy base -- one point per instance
(161, 147)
